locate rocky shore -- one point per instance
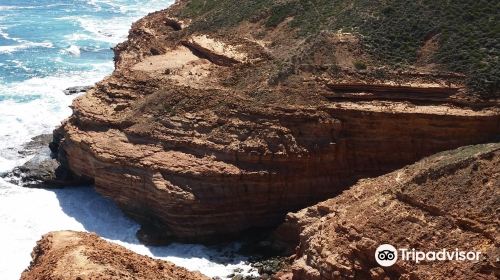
(443, 201)
(42, 170)
(203, 133)
(78, 255)
(197, 136)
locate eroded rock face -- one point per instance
(449, 200)
(78, 255)
(202, 135)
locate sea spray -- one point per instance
(46, 47)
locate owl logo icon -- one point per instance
(386, 255)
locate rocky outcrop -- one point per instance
(42, 170)
(76, 90)
(78, 255)
(448, 200)
(200, 135)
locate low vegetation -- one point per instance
(467, 31)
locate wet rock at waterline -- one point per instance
(42, 170)
(76, 90)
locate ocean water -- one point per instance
(47, 46)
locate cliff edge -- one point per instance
(447, 201)
(218, 120)
(79, 255)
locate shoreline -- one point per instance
(257, 143)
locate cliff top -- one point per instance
(225, 110)
(445, 201)
(381, 36)
(79, 255)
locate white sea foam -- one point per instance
(25, 45)
(74, 37)
(4, 33)
(18, 64)
(19, 121)
(114, 4)
(94, 4)
(22, 44)
(26, 214)
(115, 30)
(110, 30)
(7, 8)
(73, 50)
(137, 7)
(140, 9)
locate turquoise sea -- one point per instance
(47, 46)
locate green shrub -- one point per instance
(359, 65)
(392, 30)
(280, 13)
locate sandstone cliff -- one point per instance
(201, 133)
(78, 255)
(449, 200)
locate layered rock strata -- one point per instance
(78, 255)
(200, 135)
(446, 201)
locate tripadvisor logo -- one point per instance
(387, 255)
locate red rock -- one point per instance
(78, 255)
(443, 201)
(200, 142)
